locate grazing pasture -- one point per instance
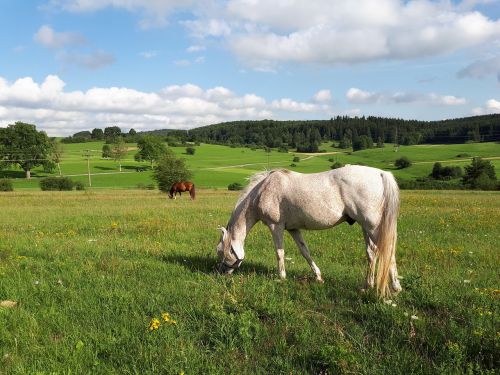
(217, 166)
(92, 273)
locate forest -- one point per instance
(356, 132)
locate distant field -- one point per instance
(91, 270)
(217, 166)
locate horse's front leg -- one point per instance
(299, 240)
(277, 232)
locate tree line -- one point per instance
(356, 132)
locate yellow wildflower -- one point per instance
(167, 319)
(154, 324)
(114, 225)
(165, 316)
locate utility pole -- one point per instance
(87, 154)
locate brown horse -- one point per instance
(180, 187)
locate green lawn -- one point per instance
(91, 270)
(217, 166)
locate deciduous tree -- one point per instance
(22, 144)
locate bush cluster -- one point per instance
(6, 185)
(402, 162)
(445, 173)
(336, 165)
(235, 186)
(56, 184)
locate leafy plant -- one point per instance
(170, 169)
(402, 163)
(235, 186)
(56, 183)
(6, 185)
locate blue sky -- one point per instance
(71, 65)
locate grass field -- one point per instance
(217, 166)
(91, 270)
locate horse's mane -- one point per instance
(254, 180)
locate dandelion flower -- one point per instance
(165, 316)
(167, 319)
(154, 324)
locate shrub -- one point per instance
(6, 185)
(56, 183)
(190, 150)
(403, 162)
(480, 175)
(445, 173)
(170, 169)
(336, 165)
(293, 165)
(235, 186)
(296, 159)
(79, 186)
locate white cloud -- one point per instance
(182, 62)
(208, 28)
(47, 37)
(196, 48)
(61, 41)
(353, 31)
(61, 112)
(148, 54)
(287, 104)
(323, 96)
(154, 13)
(358, 96)
(355, 95)
(266, 34)
(491, 106)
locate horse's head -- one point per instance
(171, 193)
(229, 252)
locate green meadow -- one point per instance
(116, 279)
(94, 272)
(217, 166)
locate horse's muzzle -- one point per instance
(225, 269)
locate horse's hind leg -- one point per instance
(371, 254)
(299, 240)
(277, 232)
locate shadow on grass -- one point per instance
(104, 168)
(208, 265)
(13, 174)
(141, 168)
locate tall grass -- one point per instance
(91, 270)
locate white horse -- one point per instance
(286, 200)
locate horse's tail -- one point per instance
(192, 192)
(387, 232)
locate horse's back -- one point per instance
(320, 200)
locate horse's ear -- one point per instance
(224, 232)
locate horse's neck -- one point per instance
(241, 221)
